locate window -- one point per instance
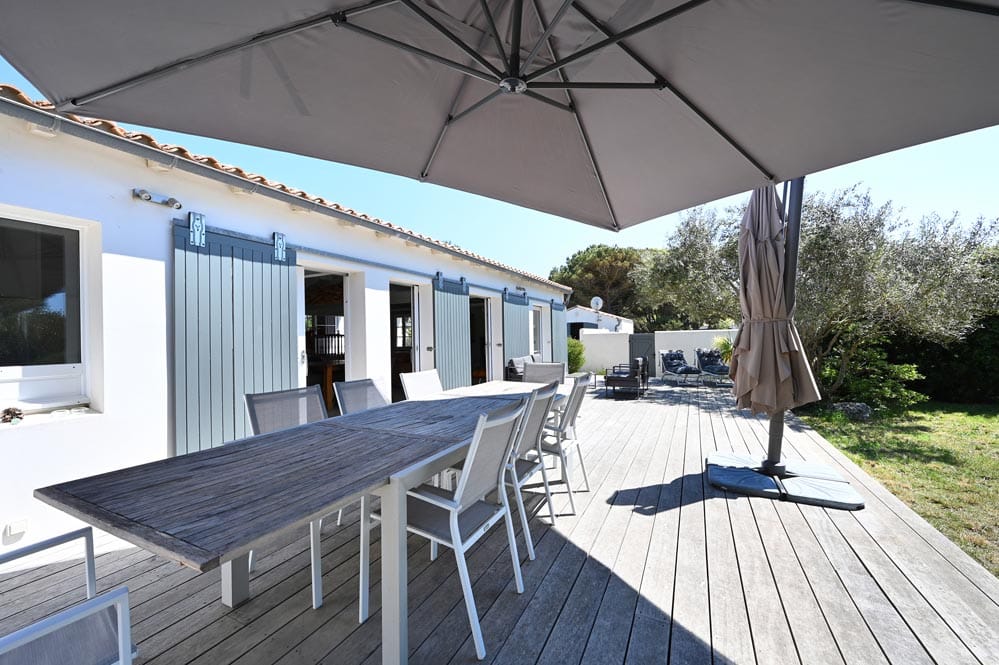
(49, 325)
(536, 330)
(39, 295)
(403, 332)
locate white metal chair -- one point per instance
(544, 372)
(95, 632)
(458, 519)
(281, 409)
(527, 459)
(560, 431)
(420, 384)
(360, 395)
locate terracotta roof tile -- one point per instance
(14, 94)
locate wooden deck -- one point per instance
(656, 567)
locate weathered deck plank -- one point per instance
(655, 566)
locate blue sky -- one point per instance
(959, 174)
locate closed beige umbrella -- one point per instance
(769, 365)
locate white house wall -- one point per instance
(132, 378)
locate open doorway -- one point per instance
(402, 335)
(478, 330)
(324, 333)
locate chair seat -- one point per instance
(527, 468)
(434, 522)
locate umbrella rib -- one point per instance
(468, 71)
(686, 101)
(453, 38)
(516, 20)
(548, 31)
(211, 54)
(494, 32)
(579, 125)
(595, 85)
(548, 100)
(604, 43)
(451, 119)
(180, 65)
(961, 6)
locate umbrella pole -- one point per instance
(772, 465)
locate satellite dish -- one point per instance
(596, 302)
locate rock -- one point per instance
(857, 411)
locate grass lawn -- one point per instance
(941, 459)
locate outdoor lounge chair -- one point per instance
(710, 363)
(95, 632)
(544, 372)
(460, 518)
(515, 366)
(633, 376)
(675, 365)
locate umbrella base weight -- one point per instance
(800, 482)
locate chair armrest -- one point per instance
(117, 598)
(86, 533)
(426, 493)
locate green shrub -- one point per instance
(724, 346)
(872, 379)
(576, 357)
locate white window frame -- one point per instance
(38, 388)
(537, 335)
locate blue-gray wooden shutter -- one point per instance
(452, 332)
(516, 325)
(560, 334)
(234, 333)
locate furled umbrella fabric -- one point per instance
(769, 365)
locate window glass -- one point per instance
(39, 294)
(536, 330)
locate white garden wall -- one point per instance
(606, 349)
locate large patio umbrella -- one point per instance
(769, 368)
(610, 112)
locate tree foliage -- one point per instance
(863, 276)
(695, 278)
(605, 271)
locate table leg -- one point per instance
(395, 630)
(236, 581)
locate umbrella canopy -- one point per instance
(769, 365)
(609, 112)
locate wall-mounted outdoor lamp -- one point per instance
(146, 195)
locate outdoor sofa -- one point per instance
(633, 376)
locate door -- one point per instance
(235, 331)
(644, 345)
(560, 334)
(401, 323)
(516, 325)
(479, 333)
(452, 334)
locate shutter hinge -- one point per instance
(196, 224)
(280, 245)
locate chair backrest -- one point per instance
(281, 409)
(532, 425)
(544, 372)
(575, 400)
(360, 395)
(420, 384)
(492, 444)
(639, 367)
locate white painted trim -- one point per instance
(72, 383)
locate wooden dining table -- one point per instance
(210, 508)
